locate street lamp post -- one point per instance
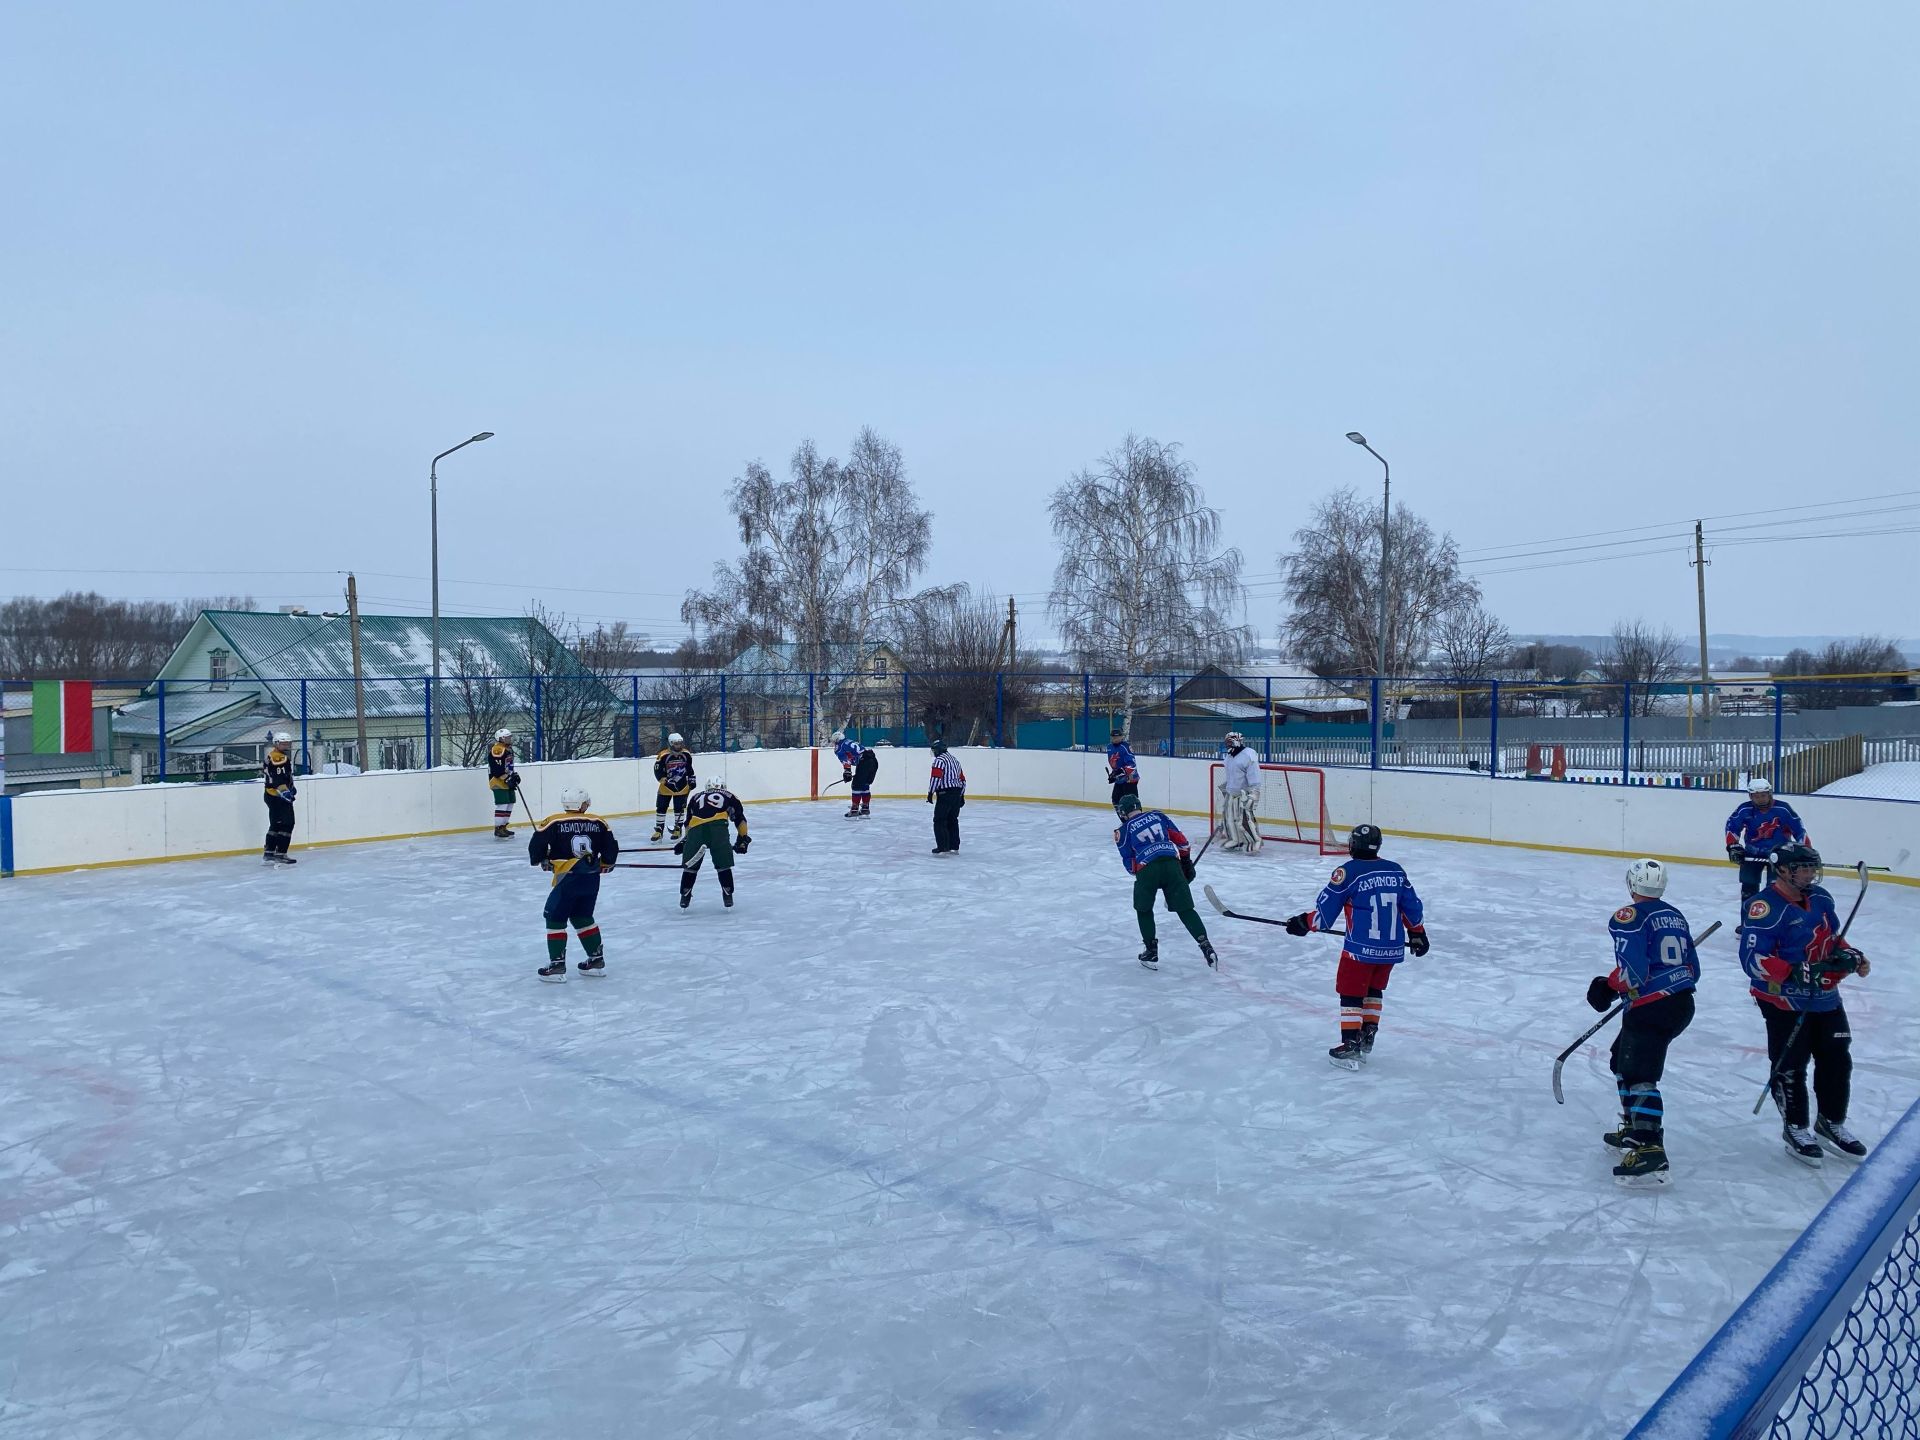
(1386, 512)
(433, 491)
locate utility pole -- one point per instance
(1700, 585)
(1012, 630)
(359, 690)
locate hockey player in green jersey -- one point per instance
(708, 810)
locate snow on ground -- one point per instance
(899, 1146)
(1890, 780)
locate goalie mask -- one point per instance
(1236, 742)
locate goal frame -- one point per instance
(1293, 805)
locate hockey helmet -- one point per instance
(838, 736)
(575, 799)
(1235, 740)
(1364, 842)
(1759, 786)
(281, 737)
(939, 747)
(503, 735)
(1791, 859)
(676, 738)
(713, 782)
(1647, 877)
(1127, 804)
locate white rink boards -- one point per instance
(899, 1146)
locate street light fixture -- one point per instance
(1386, 510)
(433, 490)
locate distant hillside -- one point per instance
(1722, 648)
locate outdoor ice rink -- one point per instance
(899, 1146)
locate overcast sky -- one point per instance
(1573, 268)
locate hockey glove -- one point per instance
(659, 772)
(1600, 995)
(1186, 866)
(1301, 924)
(742, 843)
(929, 797)
(513, 780)
(1417, 940)
(846, 773)
(679, 847)
(1735, 853)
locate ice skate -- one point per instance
(686, 898)
(726, 898)
(554, 972)
(1644, 1164)
(679, 829)
(1616, 1139)
(1150, 957)
(659, 829)
(1349, 1054)
(853, 812)
(1367, 1034)
(1212, 957)
(1801, 1145)
(502, 832)
(595, 965)
(1839, 1139)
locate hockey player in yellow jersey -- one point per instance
(576, 847)
(503, 780)
(673, 768)
(708, 810)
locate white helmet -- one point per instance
(503, 734)
(281, 737)
(676, 738)
(575, 799)
(1759, 785)
(713, 782)
(1647, 877)
(838, 736)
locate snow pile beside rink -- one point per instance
(898, 1146)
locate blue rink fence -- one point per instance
(1801, 735)
(1828, 1345)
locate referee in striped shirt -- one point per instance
(946, 792)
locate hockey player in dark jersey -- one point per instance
(1759, 826)
(576, 847)
(277, 773)
(1153, 851)
(708, 810)
(1655, 968)
(1791, 949)
(1123, 770)
(858, 766)
(1382, 915)
(673, 768)
(503, 780)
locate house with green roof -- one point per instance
(240, 675)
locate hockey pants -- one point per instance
(1639, 1059)
(279, 825)
(1826, 1042)
(572, 899)
(1164, 876)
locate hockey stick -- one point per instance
(1560, 1060)
(1862, 869)
(1214, 900)
(626, 865)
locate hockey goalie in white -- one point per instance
(1240, 802)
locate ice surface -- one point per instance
(899, 1146)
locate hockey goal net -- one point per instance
(1292, 805)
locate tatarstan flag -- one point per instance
(63, 717)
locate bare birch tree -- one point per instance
(830, 553)
(1141, 586)
(1641, 656)
(960, 671)
(482, 704)
(1332, 586)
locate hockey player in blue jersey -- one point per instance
(1123, 770)
(1656, 969)
(1155, 853)
(858, 766)
(1795, 959)
(1759, 826)
(1382, 915)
